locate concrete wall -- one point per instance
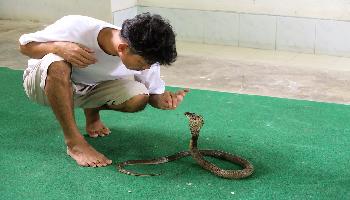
(122, 10)
(118, 5)
(49, 10)
(307, 26)
(321, 9)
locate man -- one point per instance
(80, 61)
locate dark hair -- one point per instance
(151, 37)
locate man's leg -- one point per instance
(59, 92)
(94, 125)
(124, 95)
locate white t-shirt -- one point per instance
(84, 30)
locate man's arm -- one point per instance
(76, 54)
(38, 50)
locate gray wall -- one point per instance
(49, 10)
(308, 26)
(256, 29)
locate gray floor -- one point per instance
(229, 69)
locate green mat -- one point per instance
(300, 149)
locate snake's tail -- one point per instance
(156, 161)
(121, 169)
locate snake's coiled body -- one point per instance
(196, 122)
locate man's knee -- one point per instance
(60, 70)
(134, 104)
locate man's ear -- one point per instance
(122, 48)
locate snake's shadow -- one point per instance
(126, 144)
(139, 144)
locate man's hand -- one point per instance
(76, 54)
(168, 100)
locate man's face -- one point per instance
(134, 62)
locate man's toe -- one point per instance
(105, 160)
(108, 161)
(93, 134)
(92, 164)
(101, 133)
(106, 131)
(99, 164)
(82, 163)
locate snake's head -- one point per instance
(195, 121)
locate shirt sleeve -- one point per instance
(151, 79)
(53, 32)
(70, 28)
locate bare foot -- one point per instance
(94, 125)
(85, 155)
(97, 128)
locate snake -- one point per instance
(196, 122)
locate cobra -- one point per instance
(196, 122)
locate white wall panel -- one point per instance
(322, 9)
(257, 31)
(49, 11)
(333, 38)
(120, 16)
(221, 28)
(295, 34)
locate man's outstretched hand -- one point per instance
(168, 100)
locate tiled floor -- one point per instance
(230, 69)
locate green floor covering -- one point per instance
(300, 149)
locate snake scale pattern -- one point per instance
(196, 122)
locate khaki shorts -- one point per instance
(113, 92)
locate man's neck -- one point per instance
(108, 40)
